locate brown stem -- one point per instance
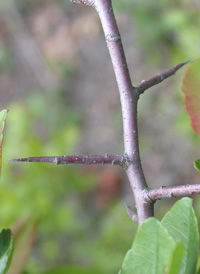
(119, 160)
(129, 106)
(170, 192)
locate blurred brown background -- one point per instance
(57, 81)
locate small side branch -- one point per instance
(120, 160)
(170, 192)
(146, 84)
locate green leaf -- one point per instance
(191, 89)
(197, 164)
(176, 259)
(3, 115)
(198, 271)
(181, 223)
(151, 250)
(6, 250)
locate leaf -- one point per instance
(191, 89)
(3, 115)
(196, 164)
(176, 259)
(6, 250)
(181, 223)
(151, 250)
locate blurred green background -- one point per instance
(57, 81)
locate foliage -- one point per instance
(190, 88)
(6, 250)
(169, 246)
(197, 164)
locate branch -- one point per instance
(170, 192)
(146, 84)
(120, 160)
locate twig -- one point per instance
(170, 192)
(119, 160)
(146, 84)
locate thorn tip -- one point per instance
(11, 160)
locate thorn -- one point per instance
(11, 160)
(146, 84)
(177, 67)
(186, 62)
(131, 213)
(18, 160)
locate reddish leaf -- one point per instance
(191, 89)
